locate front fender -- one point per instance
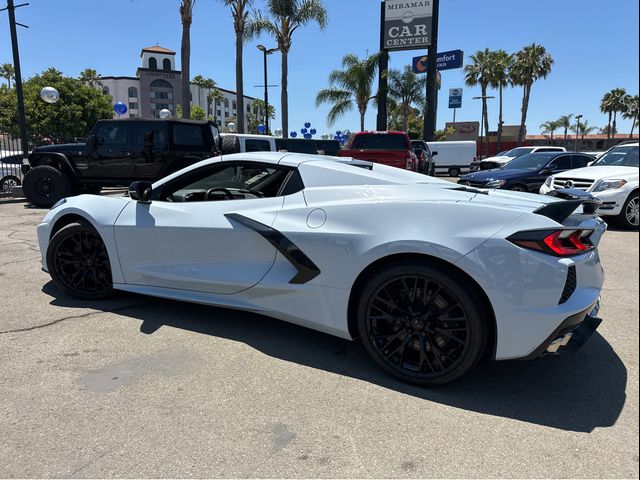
(41, 158)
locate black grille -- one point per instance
(489, 165)
(569, 285)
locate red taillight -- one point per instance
(562, 243)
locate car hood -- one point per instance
(495, 174)
(598, 172)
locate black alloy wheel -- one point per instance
(421, 323)
(44, 185)
(78, 262)
(518, 187)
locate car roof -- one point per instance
(158, 120)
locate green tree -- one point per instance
(206, 84)
(197, 112)
(281, 20)
(550, 127)
(74, 115)
(632, 103)
(499, 64)
(90, 77)
(406, 89)
(7, 72)
(259, 104)
(350, 86)
(605, 107)
(415, 121)
(214, 97)
(240, 14)
(615, 101)
(565, 122)
(477, 72)
(530, 64)
(583, 129)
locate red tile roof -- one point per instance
(159, 49)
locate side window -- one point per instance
(548, 150)
(579, 161)
(187, 135)
(253, 145)
(563, 162)
(150, 136)
(113, 134)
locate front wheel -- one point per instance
(44, 185)
(421, 323)
(629, 217)
(454, 172)
(8, 183)
(518, 188)
(78, 262)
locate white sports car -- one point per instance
(432, 276)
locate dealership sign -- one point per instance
(407, 24)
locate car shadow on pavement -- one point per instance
(576, 392)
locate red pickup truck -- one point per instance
(389, 148)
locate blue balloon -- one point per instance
(261, 129)
(293, 134)
(308, 136)
(120, 108)
(339, 133)
(307, 125)
(313, 131)
(303, 131)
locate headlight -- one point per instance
(495, 184)
(603, 185)
(548, 181)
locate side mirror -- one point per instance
(433, 154)
(140, 191)
(549, 169)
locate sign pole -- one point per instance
(383, 80)
(432, 91)
(454, 115)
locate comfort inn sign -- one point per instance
(407, 24)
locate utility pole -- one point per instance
(383, 80)
(482, 145)
(22, 121)
(432, 89)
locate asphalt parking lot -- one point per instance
(140, 387)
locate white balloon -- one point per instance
(49, 95)
(165, 113)
(231, 126)
(278, 132)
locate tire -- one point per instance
(421, 323)
(44, 185)
(8, 183)
(78, 262)
(628, 218)
(454, 172)
(230, 144)
(518, 187)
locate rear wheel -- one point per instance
(78, 262)
(518, 188)
(8, 183)
(421, 323)
(629, 217)
(44, 185)
(454, 172)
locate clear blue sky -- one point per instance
(594, 45)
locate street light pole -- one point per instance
(266, 53)
(578, 117)
(483, 97)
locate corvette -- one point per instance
(430, 275)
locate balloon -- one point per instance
(303, 131)
(231, 126)
(278, 132)
(165, 113)
(307, 125)
(262, 129)
(338, 133)
(308, 136)
(49, 95)
(313, 131)
(293, 134)
(120, 108)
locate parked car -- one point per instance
(453, 157)
(613, 178)
(116, 153)
(527, 172)
(10, 172)
(475, 165)
(310, 146)
(426, 161)
(388, 148)
(500, 160)
(347, 251)
(236, 143)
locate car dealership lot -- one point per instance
(136, 387)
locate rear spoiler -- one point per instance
(573, 198)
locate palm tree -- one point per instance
(631, 111)
(605, 107)
(7, 72)
(583, 129)
(549, 127)
(477, 73)
(351, 85)
(281, 19)
(240, 14)
(406, 89)
(565, 122)
(203, 84)
(214, 97)
(186, 17)
(617, 103)
(500, 63)
(530, 64)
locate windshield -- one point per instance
(533, 161)
(518, 152)
(625, 156)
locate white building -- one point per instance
(158, 85)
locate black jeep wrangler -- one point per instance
(116, 153)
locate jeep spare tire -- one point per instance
(230, 144)
(45, 185)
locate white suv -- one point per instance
(505, 157)
(613, 178)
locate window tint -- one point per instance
(562, 162)
(113, 134)
(549, 150)
(579, 161)
(190, 135)
(253, 145)
(150, 135)
(626, 156)
(372, 141)
(531, 161)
